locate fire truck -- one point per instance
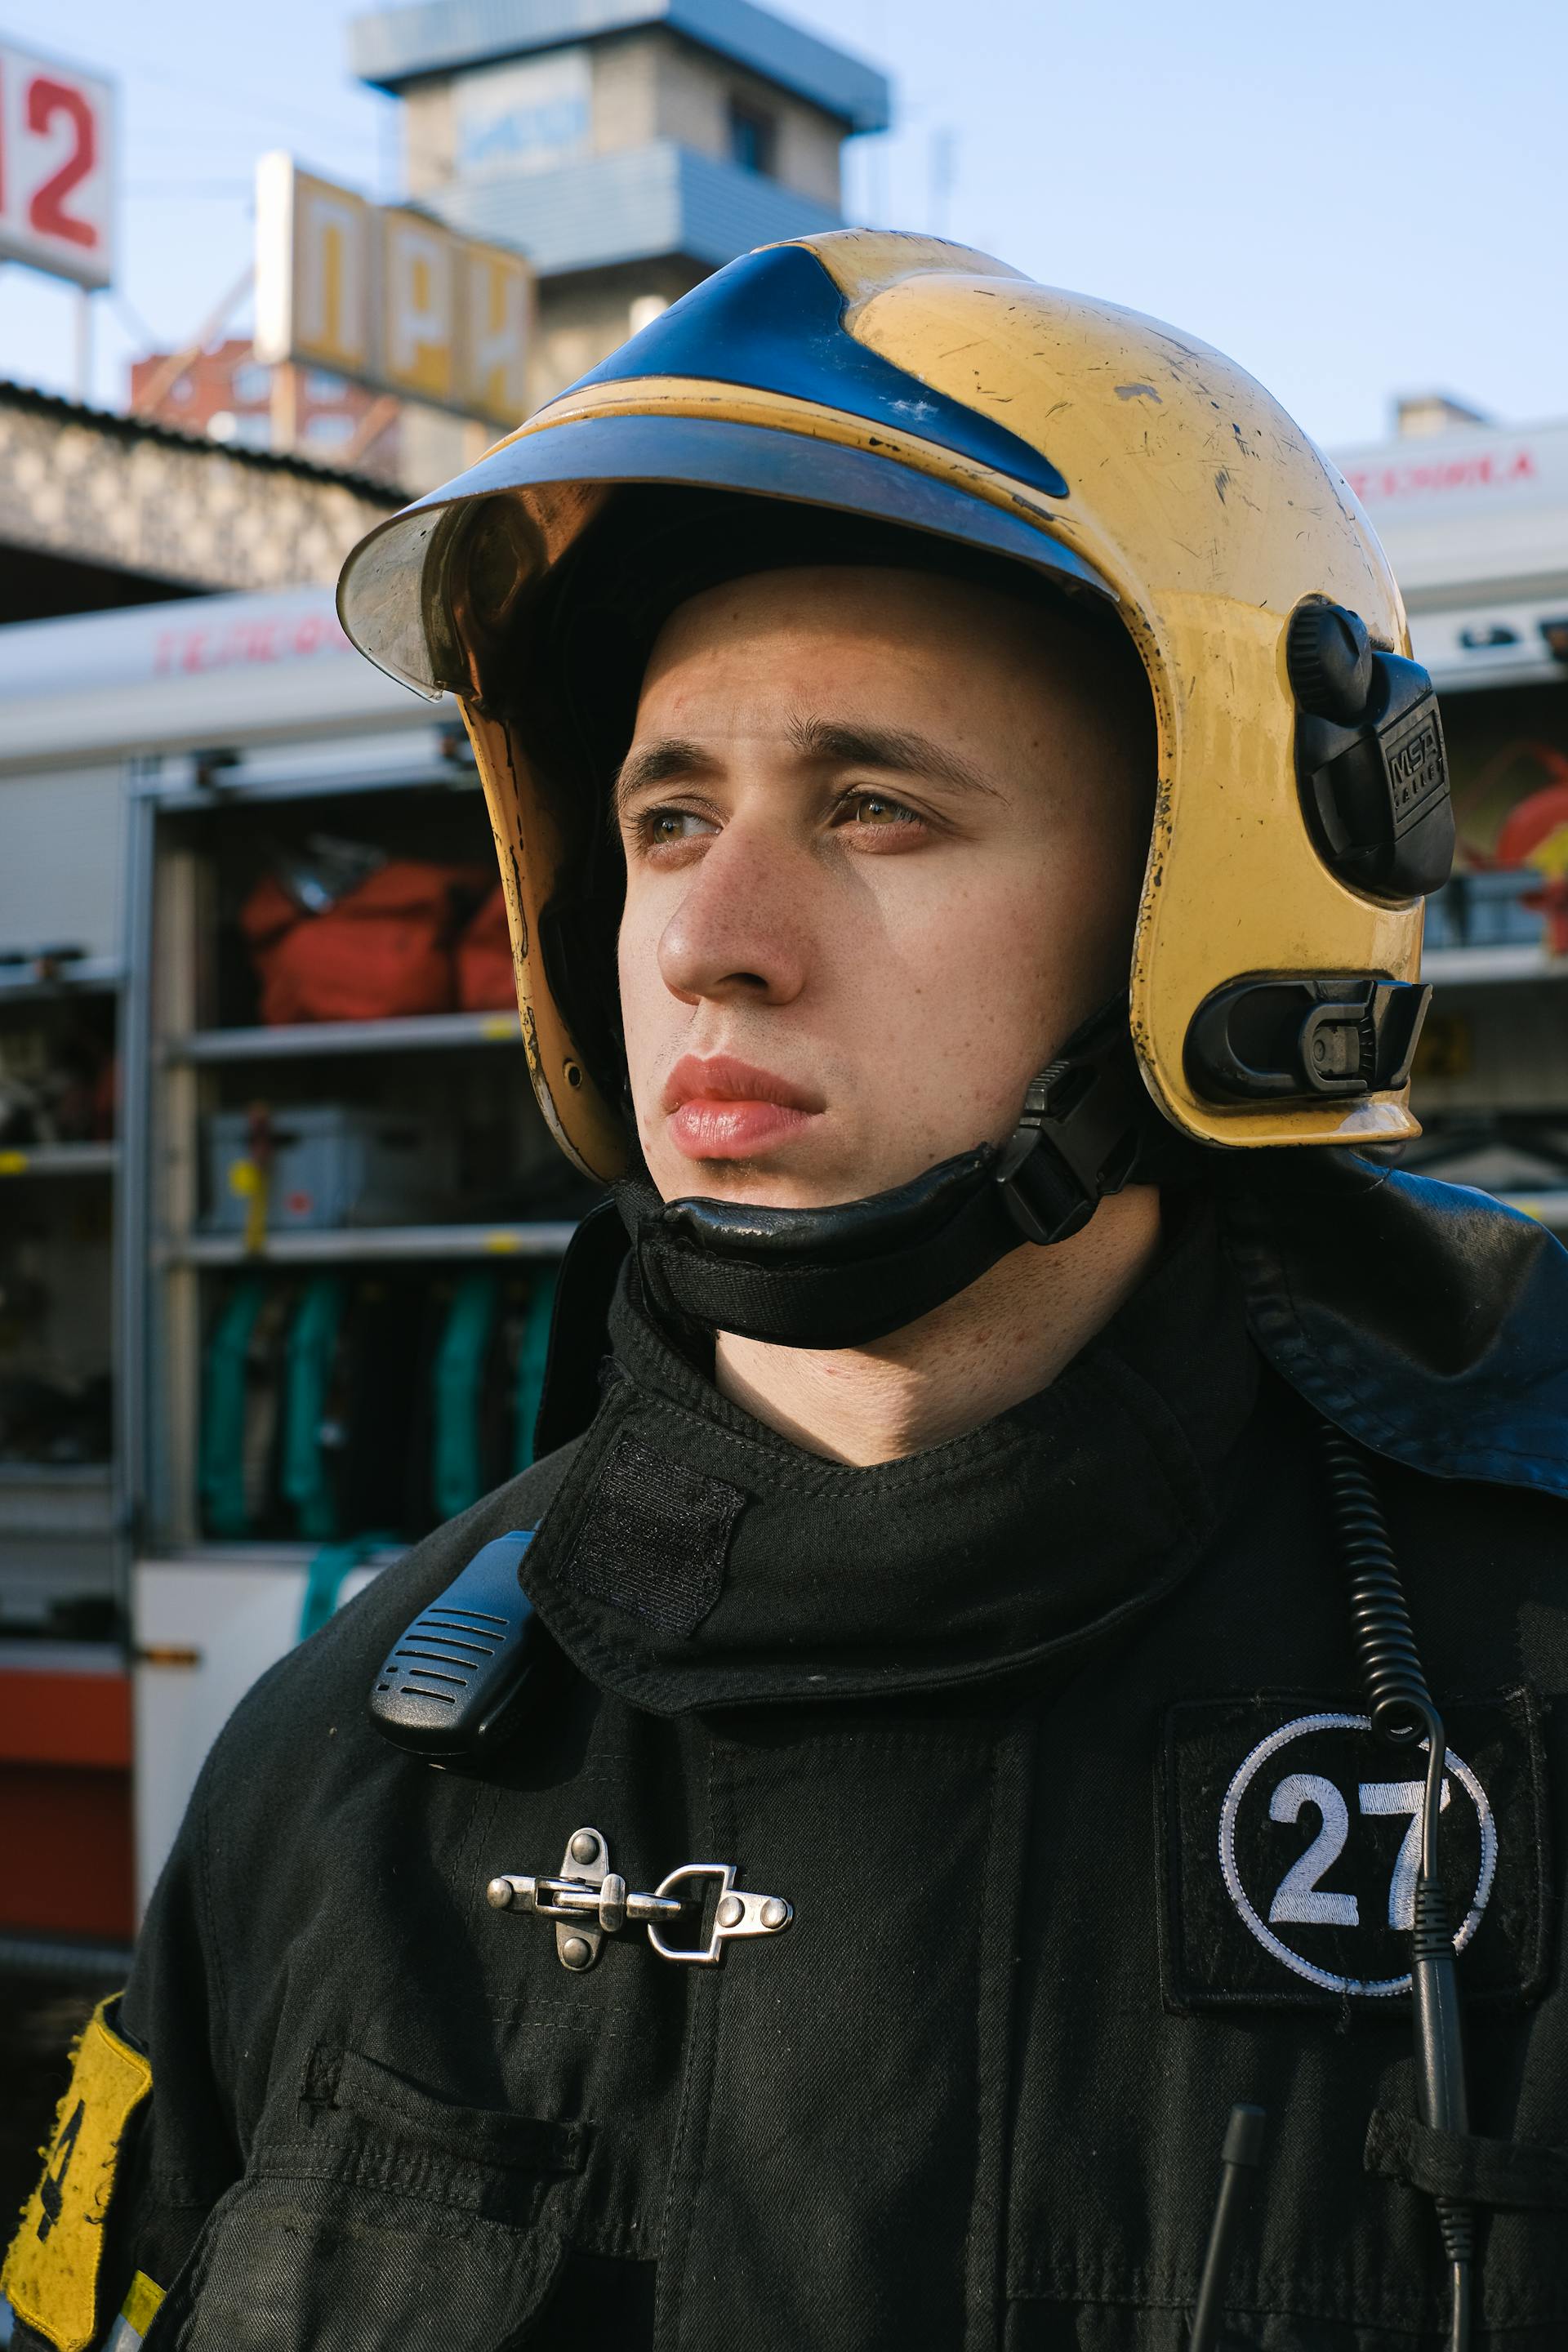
(1475, 521)
(279, 1220)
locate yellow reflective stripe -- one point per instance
(141, 2306)
(51, 2272)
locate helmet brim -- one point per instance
(391, 588)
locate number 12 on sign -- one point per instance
(56, 167)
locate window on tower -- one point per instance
(753, 135)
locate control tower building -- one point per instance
(629, 146)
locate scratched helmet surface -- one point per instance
(1302, 801)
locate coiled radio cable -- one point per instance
(1403, 1713)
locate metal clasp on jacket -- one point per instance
(588, 1901)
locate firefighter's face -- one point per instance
(882, 837)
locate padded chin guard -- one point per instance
(848, 1276)
(839, 1277)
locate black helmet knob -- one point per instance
(1329, 659)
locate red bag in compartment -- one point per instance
(486, 982)
(383, 949)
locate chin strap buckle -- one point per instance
(588, 1901)
(1078, 1137)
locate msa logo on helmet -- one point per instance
(1293, 1849)
(1370, 757)
(1413, 755)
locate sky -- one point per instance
(1355, 200)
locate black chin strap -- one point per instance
(842, 1277)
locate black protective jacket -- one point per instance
(1052, 1738)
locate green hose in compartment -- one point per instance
(457, 1447)
(226, 1509)
(532, 1354)
(307, 1479)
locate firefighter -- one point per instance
(1038, 1619)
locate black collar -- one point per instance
(1424, 1319)
(693, 1558)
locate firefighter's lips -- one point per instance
(720, 1108)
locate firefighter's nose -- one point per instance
(741, 929)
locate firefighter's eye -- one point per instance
(877, 813)
(663, 828)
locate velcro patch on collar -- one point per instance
(51, 2270)
(655, 1540)
(1291, 1839)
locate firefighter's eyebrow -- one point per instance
(896, 749)
(658, 763)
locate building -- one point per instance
(629, 146)
(97, 510)
(226, 394)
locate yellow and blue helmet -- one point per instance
(903, 385)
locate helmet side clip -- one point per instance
(1305, 1037)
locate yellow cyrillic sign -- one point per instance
(389, 296)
